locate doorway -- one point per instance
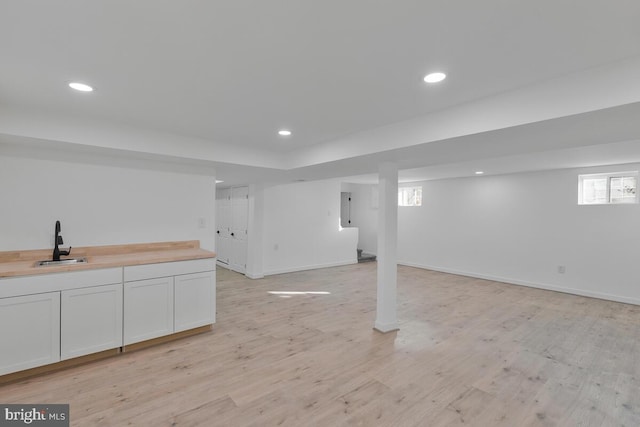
(345, 209)
(232, 213)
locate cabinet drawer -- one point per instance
(26, 285)
(166, 269)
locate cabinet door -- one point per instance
(91, 320)
(148, 309)
(29, 331)
(195, 300)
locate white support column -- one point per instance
(386, 320)
(255, 268)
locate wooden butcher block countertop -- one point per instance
(23, 263)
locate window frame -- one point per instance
(608, 176)
(404, 189)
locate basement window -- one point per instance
(608, 188)
(410, 196)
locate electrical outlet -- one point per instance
(202, 223)
(561, 269)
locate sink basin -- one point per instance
(62, 262)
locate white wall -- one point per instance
(255, 232)
(100, 204)
(364, 214)
(302, 228)
(519, 228)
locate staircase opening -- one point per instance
(365, 257)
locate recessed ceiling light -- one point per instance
(435, 77)
(284, 132)
(81, 87)
(218, 181)
(479, 172)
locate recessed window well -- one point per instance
(435, 77)
(284, 132)
(81, 87)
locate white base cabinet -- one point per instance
(148, 309)
(52, 317)
(29, 331)
(90, 320)
(161, 299)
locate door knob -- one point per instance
(232, 234)
(218, 231)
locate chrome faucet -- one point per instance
(58, 241)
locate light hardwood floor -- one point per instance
(468, 352)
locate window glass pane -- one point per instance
(594, 190)
(623, 189)
(417, 196)
(402, 197)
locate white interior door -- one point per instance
(239, 221)
(223, 225)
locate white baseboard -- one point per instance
(545, 286)
(309, 267)
(254, 276)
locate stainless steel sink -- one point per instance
(62, 262)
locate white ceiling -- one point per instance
(224, 76)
